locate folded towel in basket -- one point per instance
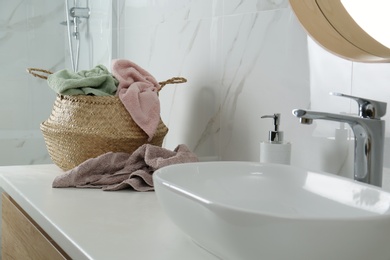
(116, 171)
(138, 90)
(97, 81)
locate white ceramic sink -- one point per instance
(243, 211)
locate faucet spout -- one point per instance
(369, 137)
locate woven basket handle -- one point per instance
(174, 80)
(34, 72)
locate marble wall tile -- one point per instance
(239, 68)
(243, 59)
(167, 10)
(30, 36)
(22, 148)
(273, 4)
(328, 73)
(233, 7)
(177, 47)
(259, 78)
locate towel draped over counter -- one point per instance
(117, 171)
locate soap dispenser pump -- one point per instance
(275, 150)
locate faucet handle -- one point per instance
(367, 108)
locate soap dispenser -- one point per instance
(275, 150)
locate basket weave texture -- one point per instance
(83, 127)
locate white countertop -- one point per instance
(96, 224)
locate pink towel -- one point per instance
(138, 90)
(117, 171)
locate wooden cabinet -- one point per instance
(22, 238)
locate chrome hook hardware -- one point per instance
(73, 19)
(367, 108)
(79, 12)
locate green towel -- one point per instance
(98, 81)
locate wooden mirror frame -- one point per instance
(329, 24)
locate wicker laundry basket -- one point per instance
(83, 127)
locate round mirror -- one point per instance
(329, 23)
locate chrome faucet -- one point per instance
(369, 131)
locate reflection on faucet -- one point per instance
(369, 131)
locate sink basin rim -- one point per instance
(218, 206)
